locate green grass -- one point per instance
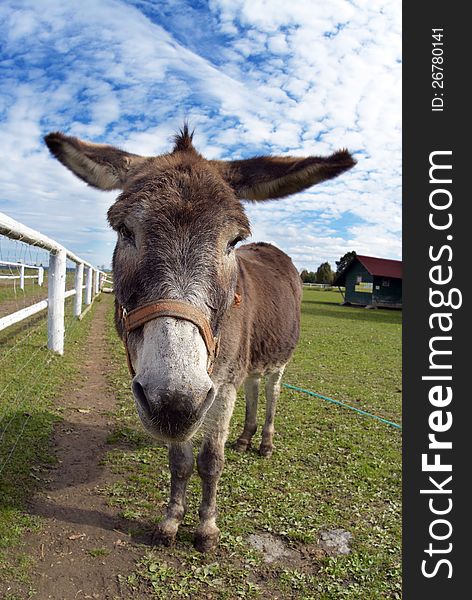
(10, 292)
(97, 552)
(332, 468)
(17, 298)
(350, 353)
(31, 377)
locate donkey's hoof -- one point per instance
(163, 537)
(265, 450)
(241, 445)
(204, 542)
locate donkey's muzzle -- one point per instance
(170, 415)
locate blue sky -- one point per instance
(252, 76)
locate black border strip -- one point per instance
(427, 131)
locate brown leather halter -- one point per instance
(178, 309)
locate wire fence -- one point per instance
(14, 296)
(25, 344)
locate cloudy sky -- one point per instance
(291, 77)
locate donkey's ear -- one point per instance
(101, 166)
(267, 177)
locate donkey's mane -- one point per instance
(183, 139)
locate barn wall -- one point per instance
(356, 270)
(387, 294)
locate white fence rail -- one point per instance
(57, 294)
(21, 272)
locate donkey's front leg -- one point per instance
(210, 463)
(181, 467)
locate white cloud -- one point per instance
(298, 77)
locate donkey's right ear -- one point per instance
(101, 166)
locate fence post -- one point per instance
(79, 279)
(40, 275)
(56, 299)
(97, 282)
(22, 277)
(88, 286)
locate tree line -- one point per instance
(324, 273)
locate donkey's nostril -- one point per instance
(140, 395)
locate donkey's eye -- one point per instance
(126, 234)
(232, 243)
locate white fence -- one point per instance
(21, 272)
(56, 272)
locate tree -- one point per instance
(344, 261)
(308, 276)
(324, 274)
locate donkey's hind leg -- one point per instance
(251, 393)
(272, 390)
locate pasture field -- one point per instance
(332, 469)
(12, 298)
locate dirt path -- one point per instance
(84, 545)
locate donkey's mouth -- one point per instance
(171, 416)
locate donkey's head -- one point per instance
(178, 220)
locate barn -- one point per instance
(371, 281)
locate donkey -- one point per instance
(198, 317)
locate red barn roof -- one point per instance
(382, 267)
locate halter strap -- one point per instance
(177, 309)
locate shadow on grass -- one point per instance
(139, 532)
(334, 310)
(24, 440)
(8, 336)
(30, 475)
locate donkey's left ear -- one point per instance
(267, 177)
(101, 166)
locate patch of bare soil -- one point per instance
(272, 548)
(276, 552)
(84, 544)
